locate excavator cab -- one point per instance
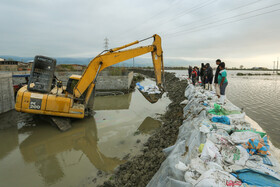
(71, 83)
(42, 74)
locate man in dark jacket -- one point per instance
(217, 88)
(190, 71)
(202, 74)
(209, 76)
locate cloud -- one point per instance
(72, 28)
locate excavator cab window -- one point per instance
(42, 74)
(71, 85)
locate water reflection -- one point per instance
(118, 102)
(37, 154)
(42, 146)
(8, 141)
(148, 125)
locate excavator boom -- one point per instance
(115, 56)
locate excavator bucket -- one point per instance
(152, 98)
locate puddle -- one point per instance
(33, 153)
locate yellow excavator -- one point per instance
(45, 96)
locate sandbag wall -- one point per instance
(212, 154)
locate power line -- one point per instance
(198, 27)
(191, 10)
(149, 19)
(194, 8)
(233, 21)
(223, 12)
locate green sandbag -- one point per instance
(218, 110)
(262, 134)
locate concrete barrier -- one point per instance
(6, 92)
(114, 82)
(104, 82)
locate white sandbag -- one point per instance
(219, 137)
(151, 89)
(181, 166)
(210, 152)
(243, 137)
(189, 177)
(214, 177)
(189, 90)
(234, 155)
(214, 165)
(185, 102)
(244, 156)
(198, 165)
(204, 129)
(225, 127)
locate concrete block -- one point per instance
(6, 92)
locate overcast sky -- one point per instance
(237, 31)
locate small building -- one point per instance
(8, 65)
(13, 65)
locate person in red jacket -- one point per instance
(194, 75)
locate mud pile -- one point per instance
(139, 170)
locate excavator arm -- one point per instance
(114, 56)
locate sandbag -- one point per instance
(253, 177)
(243, 137)
(210, 152)
(214, 177)
(221, 119)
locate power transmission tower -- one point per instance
(106, 43)
(133, 62)
(277, 65)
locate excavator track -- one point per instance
(63, 124)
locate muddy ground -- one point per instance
(139, 170)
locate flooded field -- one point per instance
(260, 98)
(34, 153)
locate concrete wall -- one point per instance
(6, 92)
(105, 82)
(114, 82)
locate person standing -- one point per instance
(223, 82)
(217, 88)
(209, 76)
(190, 71)
(202, 75)
(198, 73)
(194, 75)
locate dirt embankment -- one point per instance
(139, 170)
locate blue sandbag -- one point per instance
(140, 87)
(253, 177)
(221, 119)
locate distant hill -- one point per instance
(139, 62)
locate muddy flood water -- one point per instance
(34, 153)
(259, 96)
